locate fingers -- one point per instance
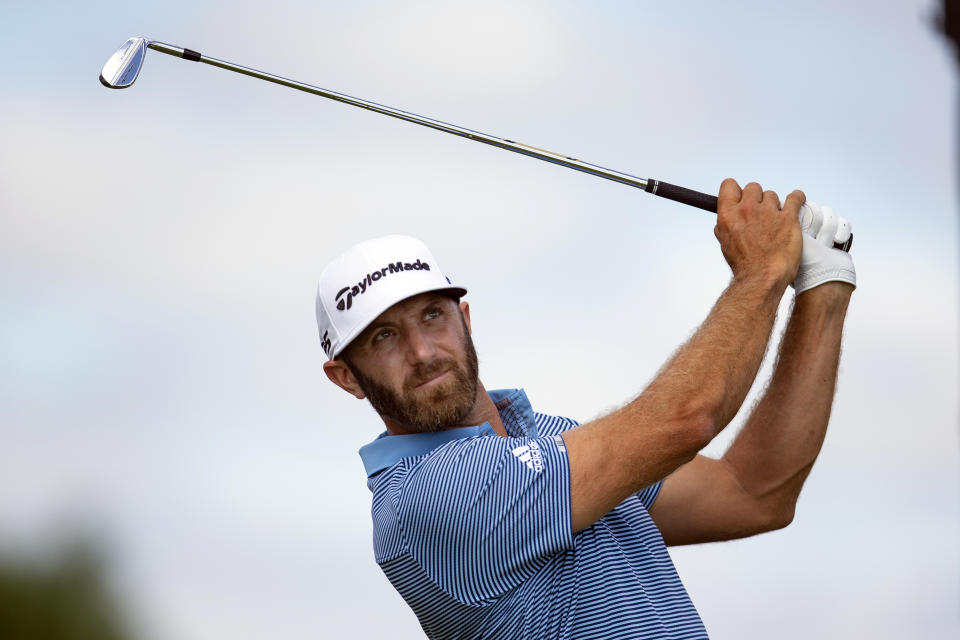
(844, 231)
(828, 230)
(793, 203)
(729, 193)
(811, 218)
(824, 225)
(771, 198)
(753, 192)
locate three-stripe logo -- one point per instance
(530, 455)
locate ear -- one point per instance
(339, 374)
(465, 310)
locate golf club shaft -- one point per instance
(663, 189)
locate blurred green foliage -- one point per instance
(59, 598)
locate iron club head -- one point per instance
(123, 67)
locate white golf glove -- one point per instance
(820, 262)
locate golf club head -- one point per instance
(123, 67)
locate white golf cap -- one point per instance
(369, 278)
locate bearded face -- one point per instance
(437, 394)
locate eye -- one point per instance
(432, 314)
(382, 335)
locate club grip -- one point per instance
(693, 198)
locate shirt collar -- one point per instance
(512, 405)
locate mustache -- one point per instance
(428, 370)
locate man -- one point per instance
(495, 521)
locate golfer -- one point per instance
(494, 520)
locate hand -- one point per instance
(758, 237)
(819, 261)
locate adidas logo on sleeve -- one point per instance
(530, 455)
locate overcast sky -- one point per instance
(161, 380)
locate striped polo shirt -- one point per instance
(474, 531)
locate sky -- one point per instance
(162, 386)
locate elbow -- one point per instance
(779, 517)
(785, 516)
(696, 426)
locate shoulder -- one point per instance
(479, 473)
(549, 425)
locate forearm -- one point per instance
(775, 450)
(699, 390)
(693, 396)
(714, 370)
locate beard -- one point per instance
(445, 404)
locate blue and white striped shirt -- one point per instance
(474, 531)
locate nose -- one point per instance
(420, 347)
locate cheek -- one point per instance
(387, 372)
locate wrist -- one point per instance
(771, 284)
(831, 297)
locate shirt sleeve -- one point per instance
(649, 494)
(482, 514)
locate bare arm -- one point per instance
(754, 487)
(702, 387)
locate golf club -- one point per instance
(123, 67)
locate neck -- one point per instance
(483, 411)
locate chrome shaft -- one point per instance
(503, 143)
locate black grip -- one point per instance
(844, 246)
(693, 198)
(190, 54)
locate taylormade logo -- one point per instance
(325, 342)
(530, 455)
(345, 296)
